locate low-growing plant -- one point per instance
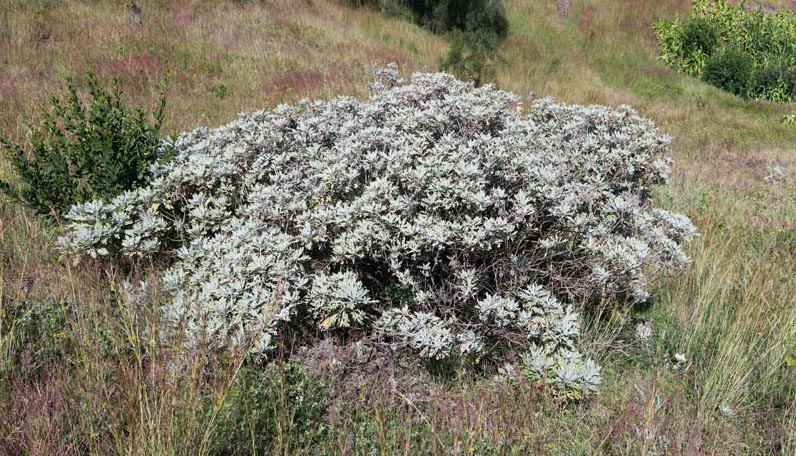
(699, 36)
(278, 408)
(475, 28)
(220, 90)
(686, 44)
(775, 81)
(33, 334)
(442, 16)
(85, 149)
(433, 217)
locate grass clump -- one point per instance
(278, 407)
(32, 334)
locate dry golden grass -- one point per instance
(221, 57)
(734, 305)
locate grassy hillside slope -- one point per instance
(730, 315)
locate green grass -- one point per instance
(730, 313)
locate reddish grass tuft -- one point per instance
(304, 82)
(135, 66)
(33, 417)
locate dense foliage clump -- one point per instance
(86, 148)
(443, 16)
(751, 54)
(475, 29)
(435, 217)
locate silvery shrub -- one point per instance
(434, 217)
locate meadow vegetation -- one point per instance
(707, 366)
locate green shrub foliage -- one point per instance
(472, 56)
(434, 217)
(699, 37)
(442, 16)
(751, 54)
(84, 149)
(33, 334)
(475, 28)
(263, 399)
(730, 70)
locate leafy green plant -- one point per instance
(443, 16)
(33, 334)
(279, 407)
(749, 53)
(471, 57)
(775, 81)
(86, 148)
(731, 70)
(475, 29)
(220, 90)
(699, 35)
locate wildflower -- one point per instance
(776, 174)
(644, 330)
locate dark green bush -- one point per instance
(775, 81)
(489, 17)
(475, 28)
(83, 150)
(471, 56)
(699, 35)
(730, 70)
(391, 8)
(443, 16)
(749, 53)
